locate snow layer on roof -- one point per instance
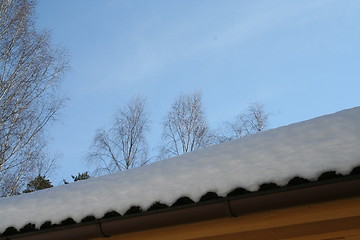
(304, 149)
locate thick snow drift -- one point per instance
(305, 149)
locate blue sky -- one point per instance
(300, 58)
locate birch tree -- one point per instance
(254, 120)
(30, 71)
(123, 146)
(185, 127)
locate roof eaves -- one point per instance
(329, 185)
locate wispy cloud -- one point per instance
(158, 45)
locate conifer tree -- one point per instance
(38, 183)
(79, 177)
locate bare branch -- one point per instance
(123, 146)
(256, 119)
(30, 70)
(185, 128)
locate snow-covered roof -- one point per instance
(306, 149)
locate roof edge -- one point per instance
(200, 211)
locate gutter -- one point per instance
(201, 211)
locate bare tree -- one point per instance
(30, 70)
(185, 127)
(254, 120)
(124, 145)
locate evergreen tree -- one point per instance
(79, 177)
(38, 183)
